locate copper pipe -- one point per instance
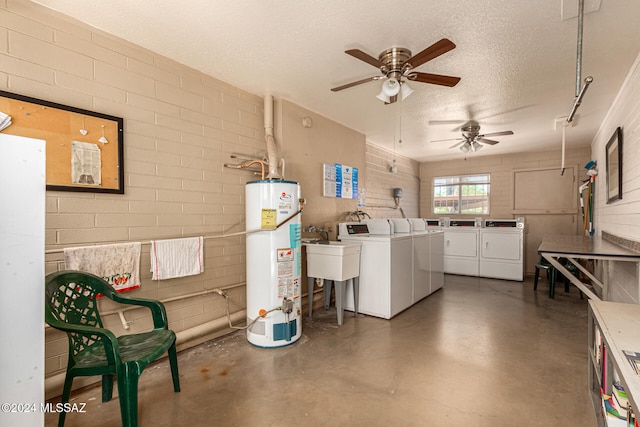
(252, 162)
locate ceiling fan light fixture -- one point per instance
(464, 147)
(476, 146)
(391, 87)
(405, 90)
(382, 97)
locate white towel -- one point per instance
(118, 264)
(176, 258)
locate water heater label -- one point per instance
(288, 282)
(285, 202)
(295, 235)
(268, 219)
(285, 255)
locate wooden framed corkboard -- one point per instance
(84, 148)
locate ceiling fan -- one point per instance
(396, 67)
(472, 139)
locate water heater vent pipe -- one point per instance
(272, 158)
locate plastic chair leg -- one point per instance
(107, 387)
(535, 279)
(66, 392)
(173, 361)
(128, 394)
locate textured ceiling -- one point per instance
(516, 58)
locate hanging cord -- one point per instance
(260, 315)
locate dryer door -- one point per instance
(501, 245)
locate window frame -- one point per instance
(460, 182)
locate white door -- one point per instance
(461, 243)
(497, 245)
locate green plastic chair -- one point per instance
(71, 306)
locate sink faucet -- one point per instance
(323, 231)
(313, 229)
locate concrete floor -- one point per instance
(479, 352)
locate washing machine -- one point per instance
(436, 260)
(434, 224)
(421, 259)
(461, 247)
(502, 249)
(386, 271)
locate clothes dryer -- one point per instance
(502, 249)
(461, 247)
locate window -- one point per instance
(464, 194)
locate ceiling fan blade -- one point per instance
(449, 139)
(359, 82)
(358, 54)
(487, 141)
(506, 132)
(435, 79)
(458, 144)
(433, 51)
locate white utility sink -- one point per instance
(337, 261)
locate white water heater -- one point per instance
(274, 263)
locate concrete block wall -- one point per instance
(501, 169)
(381, 182)
(180, 127)
(620, 217)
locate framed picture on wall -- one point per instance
(614, 166)
(84, 149)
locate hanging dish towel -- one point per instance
(176, 258)
(118, 264)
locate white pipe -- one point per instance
(272, 157)
(125, 323)
(123, 320)
(563, 138)
(579, 52)
(212, 326)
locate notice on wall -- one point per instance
(340, 181)
(85, 163)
